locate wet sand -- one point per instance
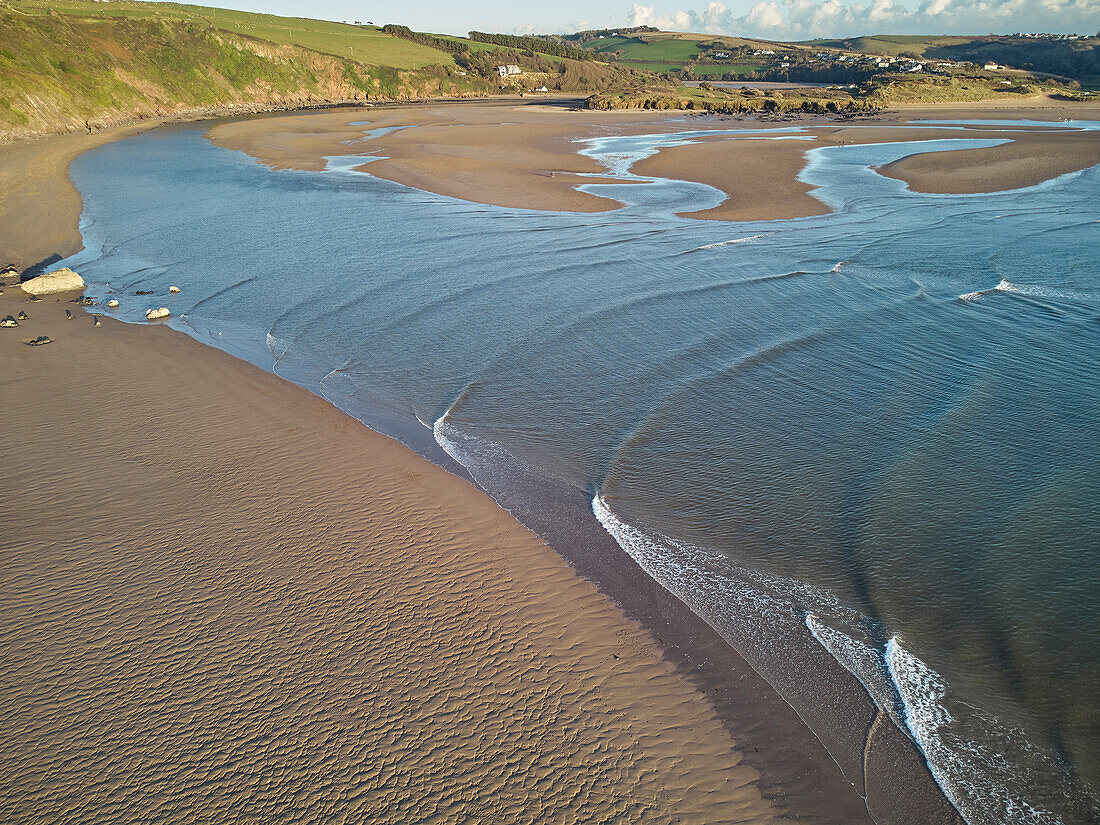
(224, 599)
(506, 153)
(40, 207)
(525, 155)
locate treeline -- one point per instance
(595, 34)
(1077, 59)
(732, 104)
(534, 44)
(444, 45)
(798, 73)
(813, 73)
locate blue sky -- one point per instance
(780, 19)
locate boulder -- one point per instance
(60, 280)
(155, 314)
(8, 321)
(39, 341)
(113, 303)
(174, 290)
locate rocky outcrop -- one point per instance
(156, 314)
(60, 280)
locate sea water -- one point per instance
(881, 425)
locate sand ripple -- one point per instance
(224, 601)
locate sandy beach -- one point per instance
(224, 599)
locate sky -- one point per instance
(773, 19)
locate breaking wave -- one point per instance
(727, 243)
(1030, 291)
(984, 786)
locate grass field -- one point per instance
(660, 50)
(890, 44)
(364, 44)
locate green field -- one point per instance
(609, 44)
(657, 51)
(364, 44)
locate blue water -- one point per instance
(881, 425)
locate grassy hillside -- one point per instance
(61, 73)
(363, 44)
(76, 64)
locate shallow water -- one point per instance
(879, 425)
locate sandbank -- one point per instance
(525, 154)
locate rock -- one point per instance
(39, 341)
(155, 314)
(68, 313)
(60, 280)
(84, 301)
(96, 322)
(174, 290)
(144, 292)
(22, 316)
(34, 299)
(113, 303)
(8, 321)
(8, 271)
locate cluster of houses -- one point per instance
(900, 64)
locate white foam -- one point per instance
(278, 347)
(1030, 291)
(985, 787)
(735, 240)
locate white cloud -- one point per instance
(803, 19)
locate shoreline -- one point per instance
(708, 662)
(793, 770)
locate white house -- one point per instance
(510, 69)
(991, 67)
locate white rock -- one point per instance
(60, 280)
(173, 289)
(113, 303)
(154, 314)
